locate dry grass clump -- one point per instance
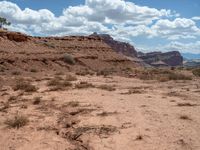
(36, 100)
(106, 87)
(34, 70)
(196, 72)
(12, 98)
(83, 85)
(185, 117)
(73, 104)
(17, 121)
(162, 75)
(58, 83)
(25, 86)
(70, 77)
(178, 76)
(105, 72)
(135, 91)
(139, 137)
(55, 81)
(186, 105)
(67, 58)
(103, 130)
(104, 114)
(5, 106)
(16, 73)
(84, 72)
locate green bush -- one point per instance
(67, 58)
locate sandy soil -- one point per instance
(139, 115)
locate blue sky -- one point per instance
(149, 25)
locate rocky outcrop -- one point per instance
(120, 47)
(14, 36)
(158, 59)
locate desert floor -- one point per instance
(124, 113)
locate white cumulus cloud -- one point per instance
(122, 19)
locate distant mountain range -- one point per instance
(190, 56)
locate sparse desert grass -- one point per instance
(17, 121)
(84, 72)
(25, 86)
(16, 73)
(162, 75)
(12, 98)
(59, 73)
(104, 113)
(73, 104)
(83, 85)
(185, 117)
(178, 76)
(34, 70)
(58, 83)
(107, 87)
(70, 77)
(176, 94)
(36, 100)
(196, 72)
(135, 91)
(103, 130)
(139, 137)
(50, 45)
(55, 81)
(105, 72)
(5, 106)
(67, 58)
(186, 105)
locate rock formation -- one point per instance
(120, 47)
(157, 59)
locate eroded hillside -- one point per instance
(22, 52)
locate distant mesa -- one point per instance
(159, 59)
(155, 59)
(120, 47)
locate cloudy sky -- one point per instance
(147, 24)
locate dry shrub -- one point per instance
(178, 76)
(84, 72)
(107, 87)
(16, 73)
(12, 98)
(58, 84)
(83, 85)
(73, 104)
(104, 114)
(17, 121)
(105, 72)
(25, 86)
(55, 81)
(196, 72)
(37, 100)
(70, 77)
(162, 75)
(33, 70)
(185, 117)
(5, 106)
(103, 130)
(186, 105)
